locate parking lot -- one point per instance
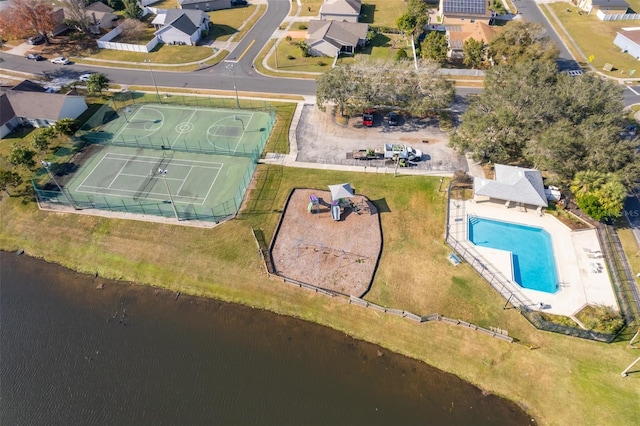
(321, 140)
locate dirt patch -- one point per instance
(335, 255)
(297, 34)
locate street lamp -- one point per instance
(233, 76)
(46, 165)
(148, 61)
(163, 173)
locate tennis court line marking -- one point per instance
(212, 184)
(181, 132)
(91, 172)
(152, 160)
(185, 180)
(117, 174)
(132, 117)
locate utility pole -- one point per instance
(163, 173)
(235, 88)
(148, 61)
(46, 165)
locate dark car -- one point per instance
(367, 118)
(34, 57)
(239, 2)
(39, 39)
(394, 118)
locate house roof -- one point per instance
(99, 7)
(631, 34)
(515, 184)
(169, 16)
(341, 7)
(479, 31)
(345, 33)
(611, 3)
(25, 100)
(467, 8)
(6, 111)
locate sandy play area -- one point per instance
(315, 249)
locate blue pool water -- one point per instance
(533, 263)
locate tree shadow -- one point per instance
(367, 12)
(381, 205)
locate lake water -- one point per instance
(131, 355)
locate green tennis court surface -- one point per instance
(200, 186)
(229, 132)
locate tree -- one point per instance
(401, 55)
(132, 29)
(115, 4)
(21, 156)
(406, 23)
(435, 47)
(522, 41)
(600, 195)
(67, 126)
(474, 53)
(23, 18)
(335, 87)
(40, 142)
(132, 10)
(76, 14)
(9, 179)
(529, 114)
(97, 83)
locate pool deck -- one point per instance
(582, 274)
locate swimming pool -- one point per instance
(533, 264)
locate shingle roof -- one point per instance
(28, 99)
(99, 7)
(633, 35)
(181, 19)
(6, 112)
(341, 7)
(479, 31)
(346, 33)
(612, 3)
(515, 184)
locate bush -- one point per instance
(601, 318)
(291, 57)
(401, 55)
(302, 26)
(321, 63)
(288, 38)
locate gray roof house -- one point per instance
(205, 5)
(512, 184)
(615, 7)
(29, 104)
(329, 38)
(177, 26)
(340, 10)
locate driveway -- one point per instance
(321, 140)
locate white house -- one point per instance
(28, 103)
(628, 40)
(176, 26)
(340, 10)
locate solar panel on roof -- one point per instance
(472, 7)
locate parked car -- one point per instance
(60, 60)
(238, 2)
(367, 118)
(85, 77)
(394, 118)
(34, 57)
(38, 39)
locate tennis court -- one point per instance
(206, 130)
(190, 158)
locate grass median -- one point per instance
(563, 380)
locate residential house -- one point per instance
(458, 34)
(98, 15)
(330, 38)
(512, 185)
(176, 26)
(608, 7)
(458, 12)
(628, 39)
(340, 10)
(205, 5)
(29, 104)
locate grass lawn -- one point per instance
(563, 381)
(162, 54)
(289, 58)
(595, 37)
(310, 7)
(227, 22)
(382, 13)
